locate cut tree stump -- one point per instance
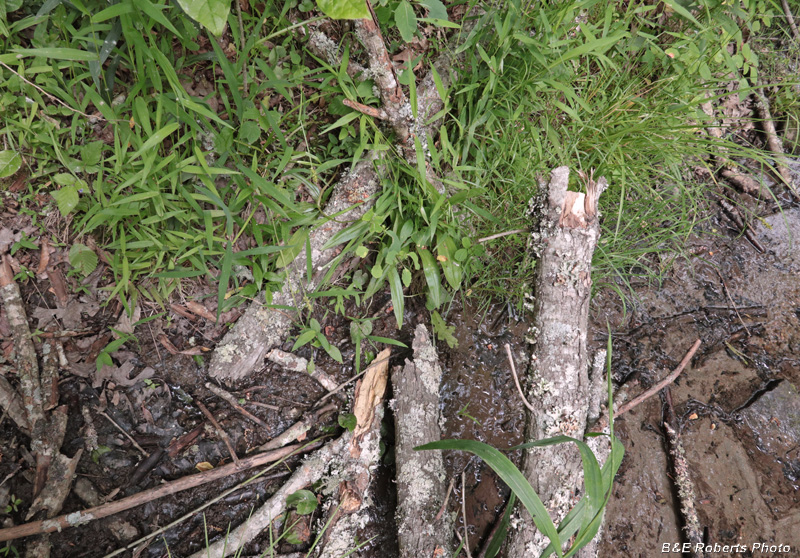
(559, 388)
(421, 483)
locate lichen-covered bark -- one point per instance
(559, 387)
(420, 475)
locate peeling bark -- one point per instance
(421, 483)
(559, 382)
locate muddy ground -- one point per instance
(737, 404)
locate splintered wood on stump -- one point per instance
(558, 383)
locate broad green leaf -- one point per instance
(10, 162)
(303, 501)
(348, 421)
(344, 9)
(66, 198)
(406, 278)
(304, 338)
(406, 20)
(443, 331)
(83, 259)
(436, 10)
(334, 353)
(432, 277)
(512, 476)
(211, 14)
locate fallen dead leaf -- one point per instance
(369, 393)
(201, 310)
(44, 258)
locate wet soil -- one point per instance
(737, 403)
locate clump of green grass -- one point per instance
(182, 158)
(612, 87)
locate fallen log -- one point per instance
(421, 486)
(559, 385)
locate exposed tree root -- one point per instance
(683, 481)
(774, 142)
(352, 456)
(46, 425)
(82, 517)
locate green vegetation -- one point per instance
(186, 156)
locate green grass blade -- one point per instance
(398, 301)
(512, 476)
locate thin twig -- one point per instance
(502, 234)
(128, 436)
(297, 430)
(231, 400)
(790, 19)
(364, 109)
(111, 508)
(728, 294)
(220, 432)
(660, 385)
(516, 380)
(446, 499)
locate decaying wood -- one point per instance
(559, 386)
(774, 142)
(421, 487)
(683, 480)
(265, 324)
(11, 403)
(295, 363)
(349, 458)
(359, 458)
(82, 517)
(393, 101)
(54, 471)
